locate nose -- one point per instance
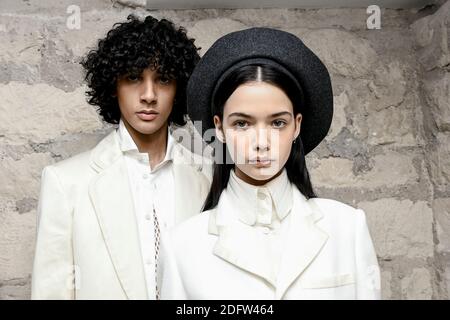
(148, 93)
(262, 139)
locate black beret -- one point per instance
(277, 48)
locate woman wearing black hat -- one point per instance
(264, 234)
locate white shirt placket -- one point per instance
(146, 201)
(151, 190)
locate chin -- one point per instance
(262, 174)
(147, 128)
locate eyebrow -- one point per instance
(282, 113)
(244, 115)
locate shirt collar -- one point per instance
(259, 204)
(127, 144)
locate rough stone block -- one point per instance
(400, 227)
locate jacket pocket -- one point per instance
(327, 281)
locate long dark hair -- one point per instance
(295, 166)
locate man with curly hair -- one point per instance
(101, 212)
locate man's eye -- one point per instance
(240, 124)
(279, 123)
(164, 80)
(133, 77)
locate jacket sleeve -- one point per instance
(367, 269)
(53, 270)
(171, 281)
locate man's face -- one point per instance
(145, 101)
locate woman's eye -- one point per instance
(279, 123)
(240, 124)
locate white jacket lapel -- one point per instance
(304, 242)
(238, 243)
(192, 183)
(111, 196)
(239, 246)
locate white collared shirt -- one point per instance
(150, 189)
(266, 208)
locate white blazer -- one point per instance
(328, 254)
(87, 244)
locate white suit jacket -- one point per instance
(328, 254)
(87, 245)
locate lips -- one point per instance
(147, 115)
(261, 162)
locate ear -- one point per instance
(219, 129)
(298, 123)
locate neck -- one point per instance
(241, 175)
(154, 144)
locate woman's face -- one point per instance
(258, 127)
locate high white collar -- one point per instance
(127, 143)
(259, 204)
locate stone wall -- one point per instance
(388, 151)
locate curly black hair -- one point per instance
(129, 48)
